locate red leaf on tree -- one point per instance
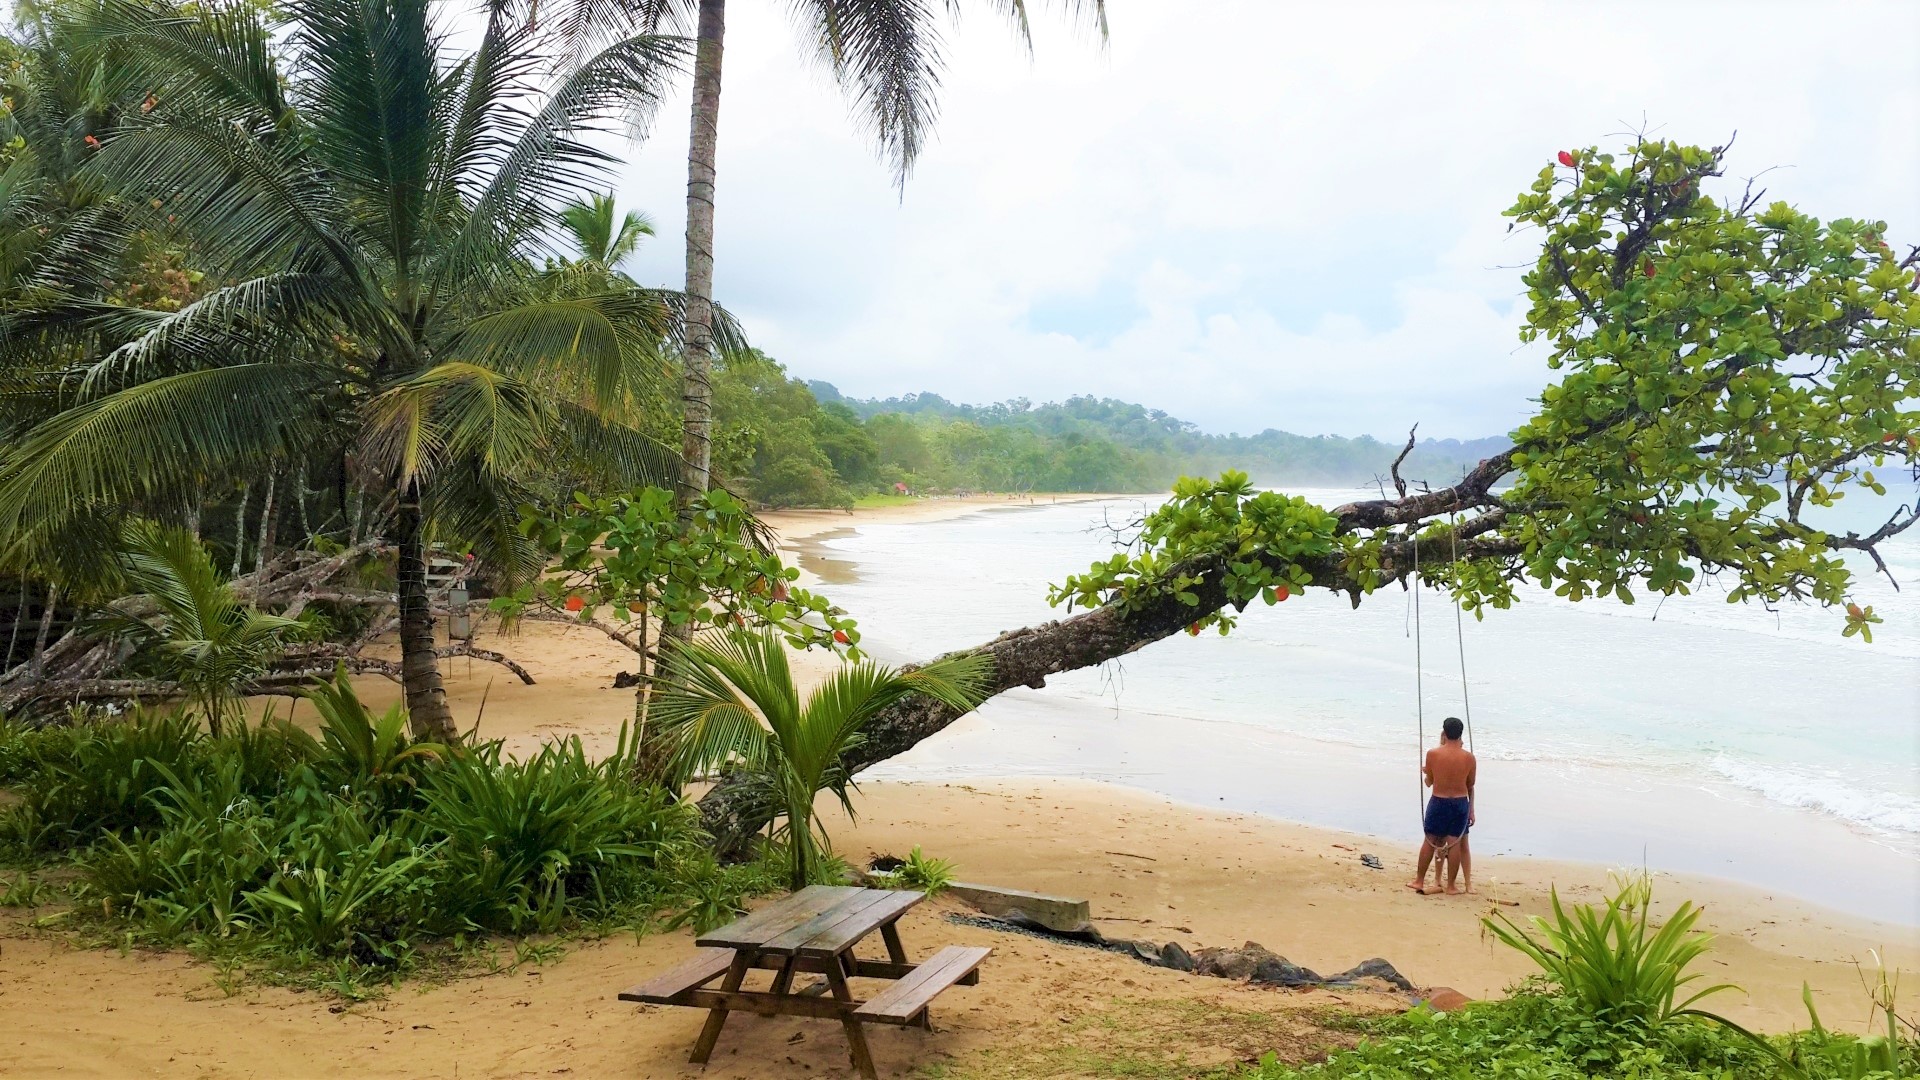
(1566, 158)
(576, 603)
(840, 636)
(1648, 269)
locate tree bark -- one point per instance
(264, 549)
(240, 530)
(419, 666)
(697, 388)
(46, 627)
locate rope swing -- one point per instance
(1419, 669)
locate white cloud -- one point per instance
(1252, 214)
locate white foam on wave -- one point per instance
(1886, 812)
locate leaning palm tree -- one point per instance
(371, 201)
(199, 634)
(886, 54)
(733, 699)
(591, 226)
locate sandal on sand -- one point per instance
(1371, 862)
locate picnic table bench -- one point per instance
(813, 931)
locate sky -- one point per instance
(1256, 214)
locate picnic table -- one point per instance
(814, 931)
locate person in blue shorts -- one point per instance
(1450, 770)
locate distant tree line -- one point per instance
(785, 442)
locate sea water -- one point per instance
(1685, 734)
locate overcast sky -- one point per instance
(1250, 214)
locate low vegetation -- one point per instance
(1614, 999)
(346, 860)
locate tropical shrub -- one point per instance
(354, 854)
(1535, 1035)
(201, 636)
(521, 838)
(733, 699)
(1610, 960)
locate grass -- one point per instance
(876, 501)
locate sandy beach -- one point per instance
(1152, 869)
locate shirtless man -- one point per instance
(1450, 771)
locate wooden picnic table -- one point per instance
(814, 931)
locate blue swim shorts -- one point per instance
(1448, 817)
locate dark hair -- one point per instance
(1452, 728)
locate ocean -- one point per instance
(1689, 735)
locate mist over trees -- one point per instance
(787, 442)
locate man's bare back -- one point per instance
(1450, 769)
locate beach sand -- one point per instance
(1151, 868)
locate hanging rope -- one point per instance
(1460, 637)
(1419, 696)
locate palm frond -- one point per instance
(887, 55)
(597, 349)
(454, 410)
(153, 438)
(221, 50)
(530, 174)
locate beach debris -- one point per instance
(1371, 862)
(1131, 855)
(1252, 963)
(625, 680)
(1445, 999)
(1058, 914)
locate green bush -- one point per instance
(1534, 1035)
(341, 858)
(100, 778)
(521, 838)
(1610, 959)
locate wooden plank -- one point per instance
(862, 969)
(777, 918)
(717, 1018)
(896, 952)
(856, 1035)
(852, 908)
(906, 999)
(839, 936)
(704, 966)
(751, 1001)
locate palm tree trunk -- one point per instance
(419, 668)
(697, 390)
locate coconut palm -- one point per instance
(886, 54)
(591, 226)
(371, 201)
(733, 699)
(200, 634)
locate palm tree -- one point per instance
(591, 226)
(200, 635)
(370, 202)
(733, 699)
(886, 54)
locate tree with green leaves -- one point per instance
(732, 700)
(370, 200)
(1727, 368)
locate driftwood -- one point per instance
(82, 667)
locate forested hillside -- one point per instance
(787, 442)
